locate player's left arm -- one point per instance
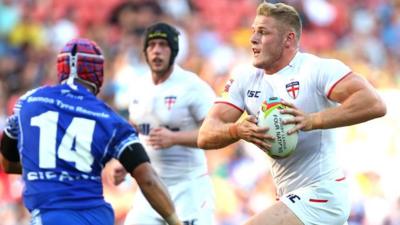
(10, 160)
(359, 102)
(162, 137)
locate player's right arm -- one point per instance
(10, 160)
(135, 159)
(221, 128)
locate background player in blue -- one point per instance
(63, 136)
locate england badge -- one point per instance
(169, 101)
(293, 89)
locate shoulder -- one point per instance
(320, 61)
(189, 79)
(111, 116)
(34, 91)
(245, 74)
(312, 64)
(186, 75)
(105, 108)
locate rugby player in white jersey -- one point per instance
(168, 107)
(321, 93)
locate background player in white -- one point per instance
(168, 112)
(63, 136)
(322, 94)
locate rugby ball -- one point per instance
(269, 116)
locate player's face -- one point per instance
(158, 55)
(267, 43)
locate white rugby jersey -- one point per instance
(180, 103)
(306, 82)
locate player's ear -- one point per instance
(290, 38)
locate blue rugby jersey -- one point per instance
(65, 137)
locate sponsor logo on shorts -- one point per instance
(293, 197)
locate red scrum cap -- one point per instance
(81, 59)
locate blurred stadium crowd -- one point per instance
(214, 41)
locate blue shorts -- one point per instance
(102, 215)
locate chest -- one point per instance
(167, 105)
(296, 88)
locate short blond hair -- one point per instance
(284, 14)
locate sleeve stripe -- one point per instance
(107, 148)
(334, 85)
(228, 103)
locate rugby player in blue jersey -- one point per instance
(60, 138)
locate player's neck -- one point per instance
(281, 63)
(160, 77)
(85, 84)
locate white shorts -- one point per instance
(194, 203)
(322, 203)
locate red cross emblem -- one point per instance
(293, 88)
(228, 85)
(169, 101)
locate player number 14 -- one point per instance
(75, 144)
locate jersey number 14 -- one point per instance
(75, 144)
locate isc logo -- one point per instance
(253, 94)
